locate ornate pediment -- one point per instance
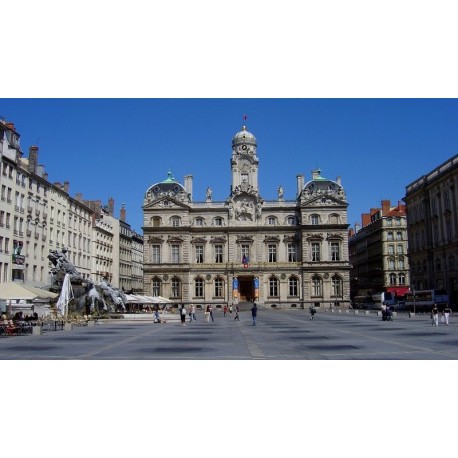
(165, 202)
(218, 240)
(175, 239)
(244, 239)
(152, 239)
(314, 236)
(271, 239)
(334, 236)
(198, 240)
(322, 200)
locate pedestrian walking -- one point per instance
(230, 310)
(210, 309)
(435, 315)
(207, 313)
(237, 310)
(312, 311)
(254, 313)
(183, 315)
(192, 312)
(225, 310)
(447, 312)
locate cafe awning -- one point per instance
(15, 291)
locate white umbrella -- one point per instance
(66, 295)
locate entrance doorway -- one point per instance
(246, 288)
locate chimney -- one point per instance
(357, 227)
(386, 207)
(365, 219)
(79, 196)
(33, 159)
(300, 184)
(339, 181)
(10, 126)
(188, 186)
(45, 176)
(111, 206)
(66, 186)
(122, 214)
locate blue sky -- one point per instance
(119, 147)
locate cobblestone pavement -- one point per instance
(278, 335)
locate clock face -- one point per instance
(244, 165)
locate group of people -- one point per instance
(444, 314)
(209, 313)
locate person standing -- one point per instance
(254, 313)
(447, 312)
(183, 315)
(210, 309)
(207, 313)
(230, 310)
(193, 312)
(435, 315)
(312, 311)
(225, 311)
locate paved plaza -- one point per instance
(278, 335)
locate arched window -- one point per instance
(315, 219)
(293, 287)
(199, 222)
(291, 220)
(317, 286)
(334, 218)
(199, 287)
(271, 221)
(175, 221)
(402, 279)
(176, 288)
(156, 286)
(219, 287)
(156, 221)
(273, 287)
(392, 279)
(336, 282)
(218, 221)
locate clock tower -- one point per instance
(244, 203)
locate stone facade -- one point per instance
(378, 251)
(281, 253)
(432, 216)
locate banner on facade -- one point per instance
(256, 287)
(235, 288)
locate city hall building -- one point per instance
(280, 253)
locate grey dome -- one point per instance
(243, 137)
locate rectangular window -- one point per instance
(273, 287)
(218, 254)
(218, 287)
(272, 257)
(292, 252)
(199, 254)
(315, 251)
(245, 251)
(335, 251)
(156, 254)
(199, 287)
(391, 249)
(175, 251)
